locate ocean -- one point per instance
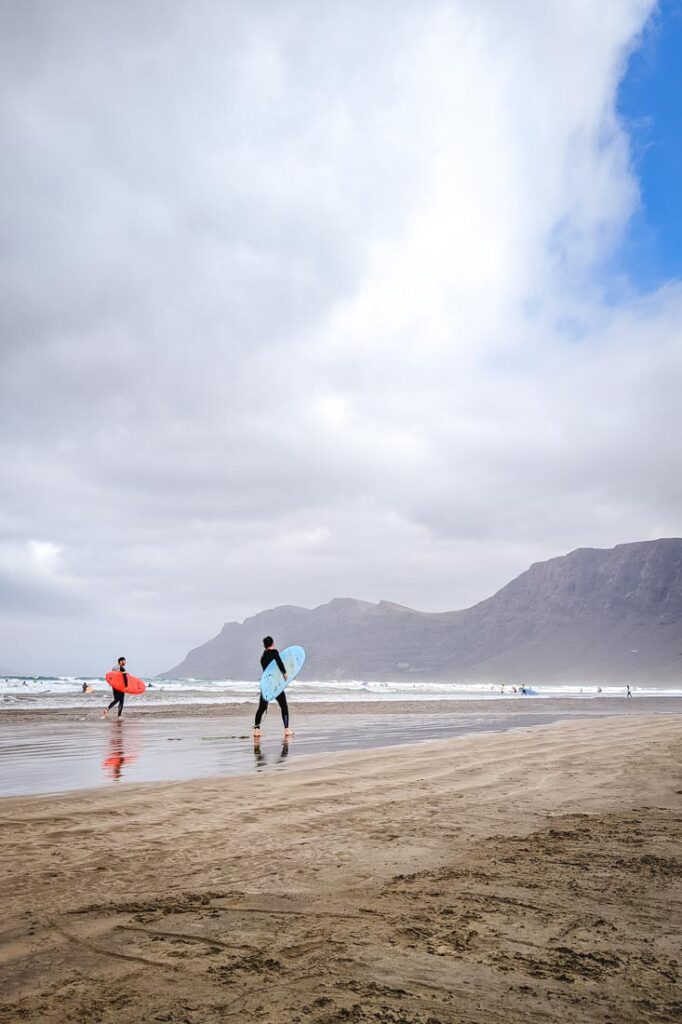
(66, 691)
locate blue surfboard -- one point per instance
(272, 681)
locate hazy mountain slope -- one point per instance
(592, 615)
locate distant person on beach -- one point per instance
(628, 691)
(269, 655)
(85, 688)
(119, 695)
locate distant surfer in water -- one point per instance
(269, 655)
(119, 695)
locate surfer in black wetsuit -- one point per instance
(119, 695)
(272, 654)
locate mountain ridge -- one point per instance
(582, 616)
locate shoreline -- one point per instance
(74, 750)
(486, 880)
(80, 753)
(587, 705)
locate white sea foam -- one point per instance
(66, 691)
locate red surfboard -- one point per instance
(115, 680)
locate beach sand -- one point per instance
(524, 876)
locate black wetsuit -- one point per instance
(119, 695)
(269, 655)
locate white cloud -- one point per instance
(305, 301)
(44, 554)
(33, 580)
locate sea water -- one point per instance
(66, 691)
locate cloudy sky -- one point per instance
(304, 300)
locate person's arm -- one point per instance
(280, 664)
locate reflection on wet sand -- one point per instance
(79, 752)
(261, 759)
(119, 753)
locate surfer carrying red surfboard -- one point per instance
(269, 655)
(119, 695)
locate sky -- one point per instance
(650, 104)
(308, 300)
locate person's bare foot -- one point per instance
(105, 713)
(288, 732)
(256, 734)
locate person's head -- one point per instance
(121, 663)
(267, 642)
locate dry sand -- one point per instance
(528, 876)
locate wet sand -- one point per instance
(154, 705)
(46, 752)
(531, 875)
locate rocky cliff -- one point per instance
(593, 615)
